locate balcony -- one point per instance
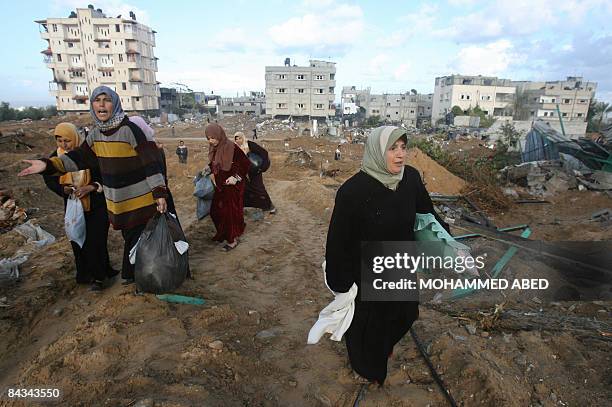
(76, 69)
(47, 51)
(48, 59)
(135, 75)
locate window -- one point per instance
(59, 57)
(300, 105)
(70, 45)
(319, 90)
(54, 28)
(120, 57)
(582, 101)
(117, 28)
(566, 101)
(136, 99)
(281, 90)
(332, 76)
(579, 115)
(331, 89)
(301, 77)
(281, 76)
(124, 86)
(281, 105)
(389, 116)
(107, 74)
(388, 104)
(564, 114)
(300, 91)
(319, 106)
(318, 77)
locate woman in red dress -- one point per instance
(229, 167)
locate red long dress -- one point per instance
(227, 207)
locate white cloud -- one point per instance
(401, 72)
(332, 31)
(379, 64)
(491, 59)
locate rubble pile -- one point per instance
(10, 214)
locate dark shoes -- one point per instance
(128, 281)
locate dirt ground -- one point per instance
(247, 344)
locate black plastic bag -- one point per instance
(159, 266)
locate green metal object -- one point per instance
(496, 271)
(560, 120)
(181, 299)
(506, 229)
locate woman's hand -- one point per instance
(68, 189)
(84, 190)
(162, 206)
(36, 167)
(212, 178)
(231, 181)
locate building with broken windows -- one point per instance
(492, 95)
(253, 104)
(408, 108)
(89, 49)
(540, 99)
(301, 91)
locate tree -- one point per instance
(414, 91)
(457, 111)
(373, 121)
(510, 134)
(595, 115)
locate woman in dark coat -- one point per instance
(255, 194)
(92, 262)
(229, 167)
(377, 204)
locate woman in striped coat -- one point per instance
(132, 178)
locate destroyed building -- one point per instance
(89, 49)
(254, 104)
(301, 91)
(408, 108)
(573, 96)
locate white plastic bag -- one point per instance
(74, 221)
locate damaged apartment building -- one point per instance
(409, 108)
(301, 91)
(520, 102)
(253, 104)
(88, 49)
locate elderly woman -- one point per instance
(255, 194)
(132, 178)
(229, 167)
(92, 262)
(379, 203)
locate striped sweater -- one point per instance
(130, 167)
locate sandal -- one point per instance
(229, 247)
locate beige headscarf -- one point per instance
(244, 145)
(374, 162)
(77, 178)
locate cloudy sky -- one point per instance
(390, 46)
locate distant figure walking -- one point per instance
(338, 153)
(255, 133)
(182, 152)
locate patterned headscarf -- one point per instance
(220, 156)
(117, 114)
(374, 161)
(77, 178)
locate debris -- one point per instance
(216, 345)
(268, 333)
(471, 329)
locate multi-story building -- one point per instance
(540, 99)
(307, 91)
(494, 96)
(407, 108)
(168, 101)
(253, 104)
(88, 49)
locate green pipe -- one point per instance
(180, 299)
(506, 229)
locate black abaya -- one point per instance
(366, 210)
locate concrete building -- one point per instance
(573, 95)
(301, 91)
(168, 100)
(253, 104)
(493, 95)
(88, 49)
(406, 108)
